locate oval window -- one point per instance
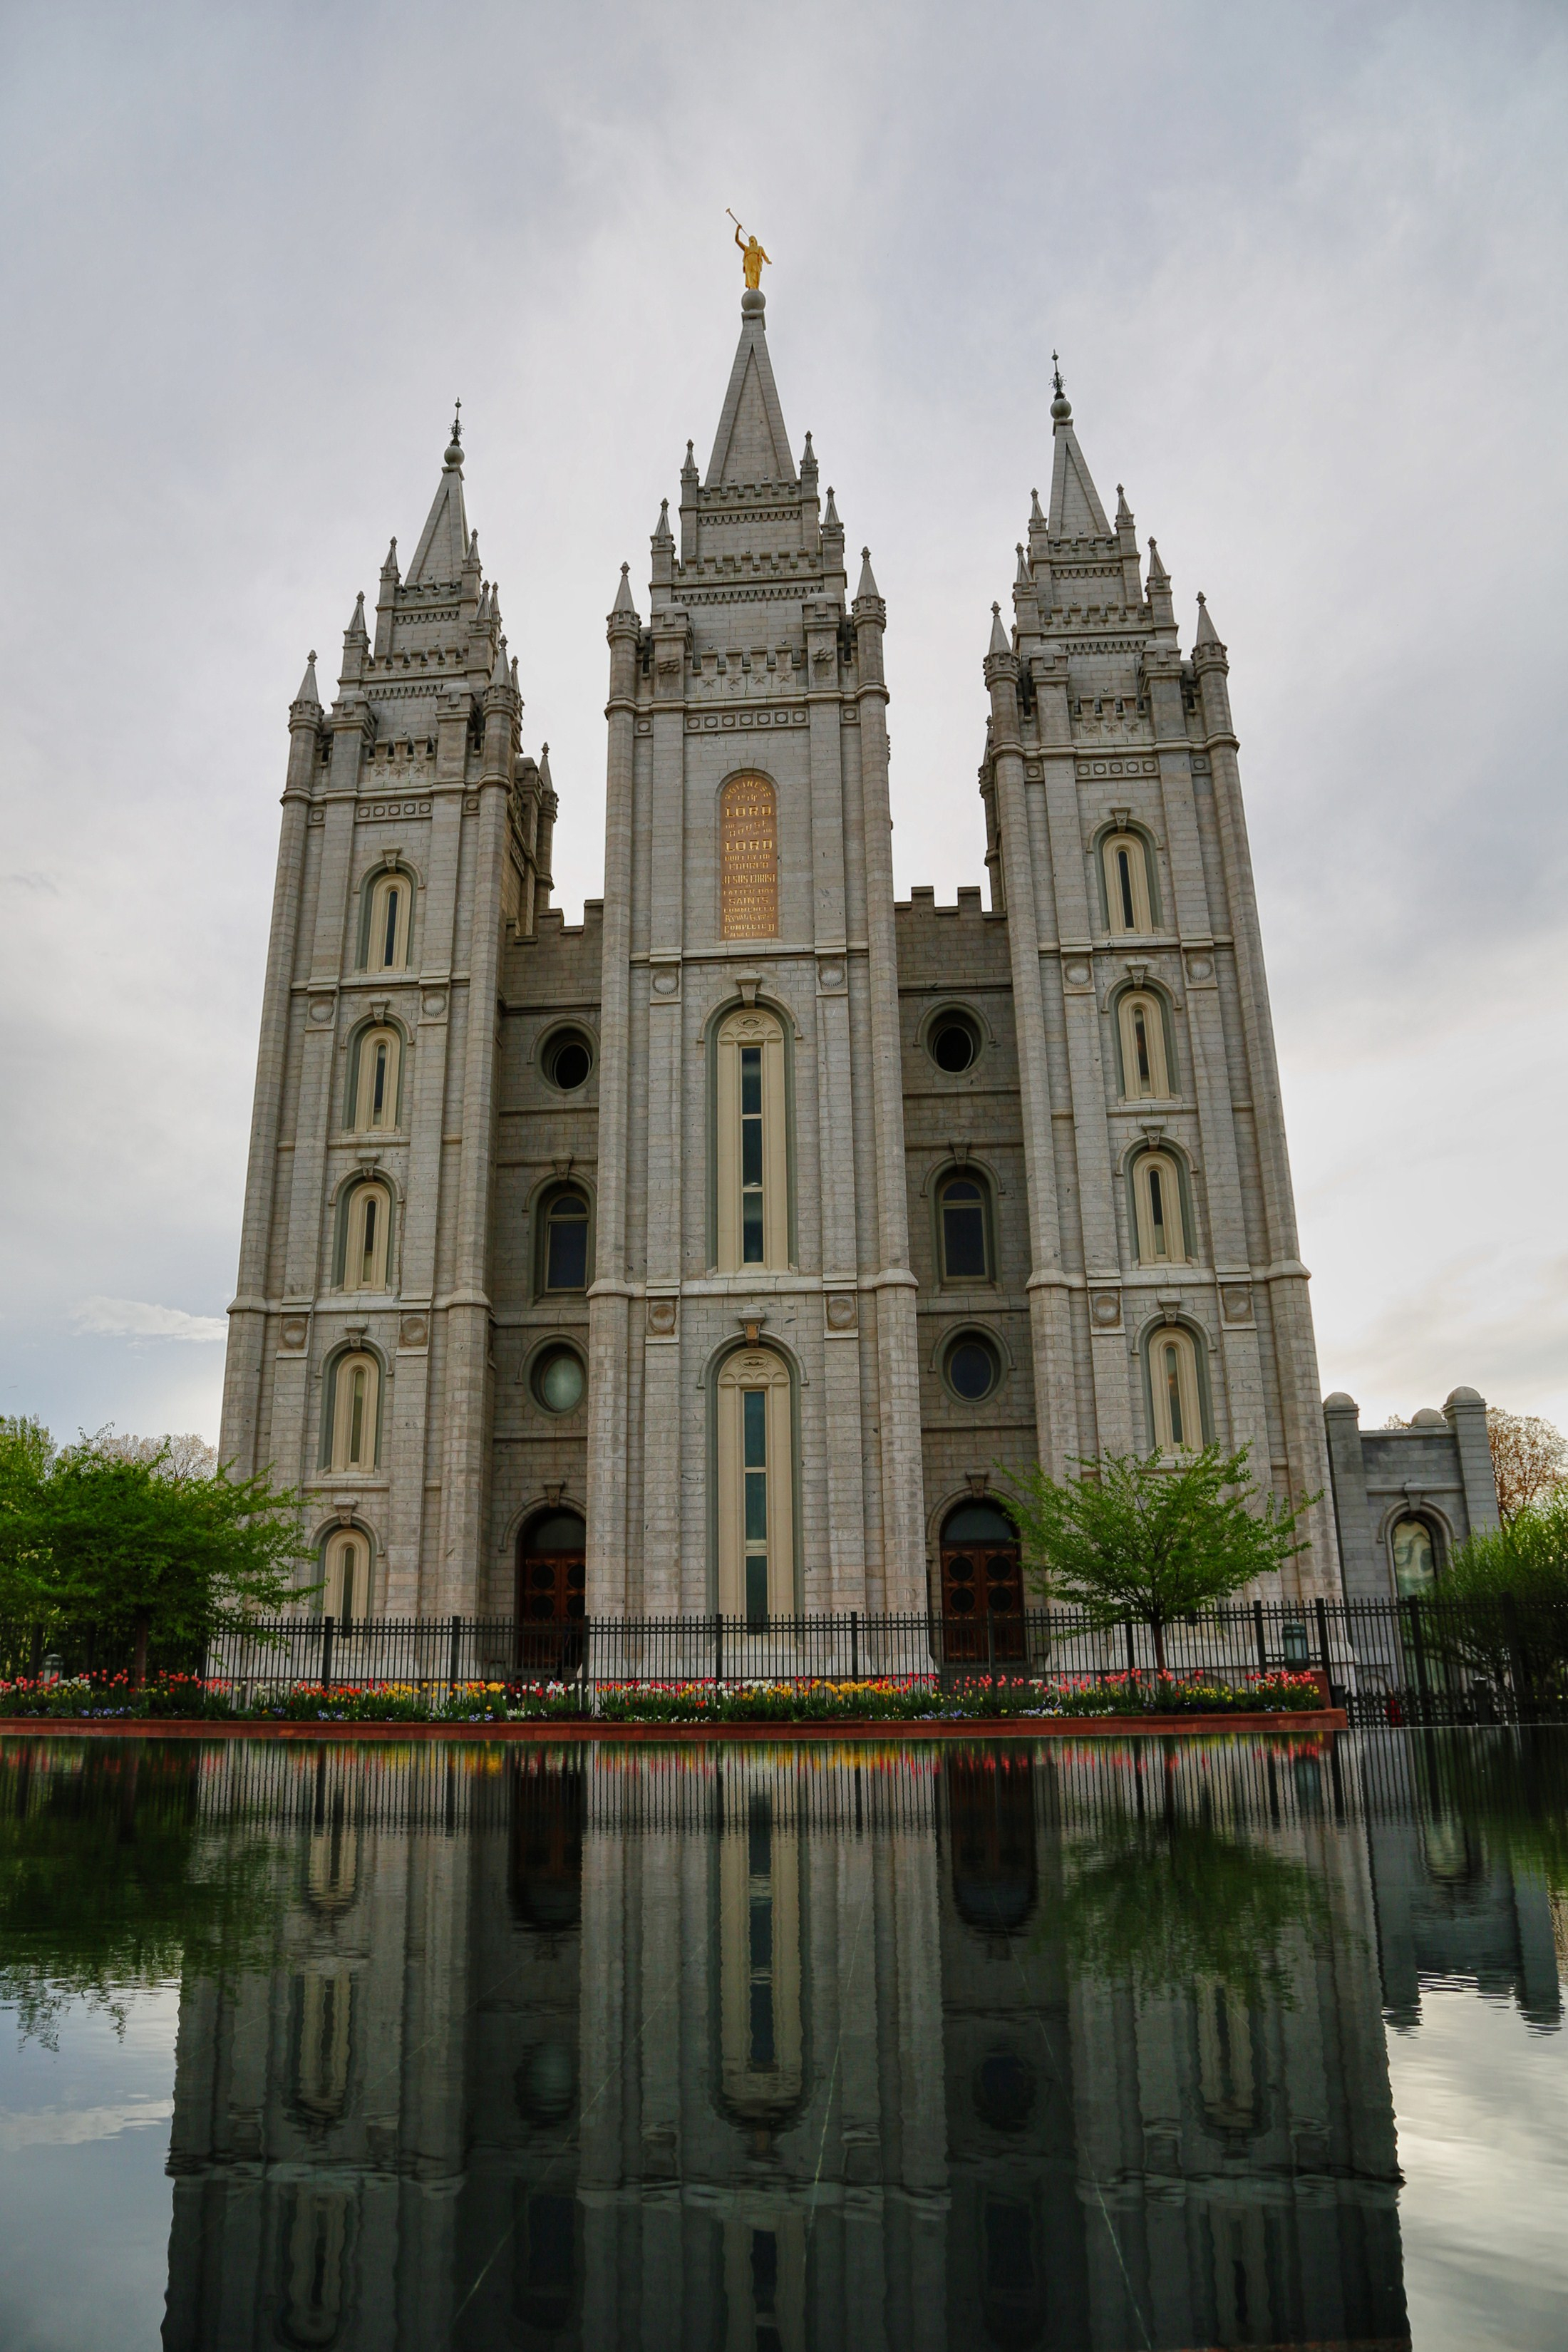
(559, 1379)
(972, 1368)
(568, 1059)
(953, 1042)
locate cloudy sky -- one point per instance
(1305, 269)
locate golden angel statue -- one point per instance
(751, 257)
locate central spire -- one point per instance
(751, 445)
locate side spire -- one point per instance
(309, 690)
(624, 600)
(444, 541)
(1207, 635)
(867, 580)
(1001, 642)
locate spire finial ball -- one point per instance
(312, 653)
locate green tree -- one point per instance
(122, 1545)
(1150, 1539)
(26, 1453)
(1502, 1603)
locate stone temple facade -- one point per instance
(712, 1253)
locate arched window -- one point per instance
(378, 1068)
(1157, 1207)
(756, 1488)
(386, 932)
(964, 1222)
(761, 2040)
(323, 2046)
(354, 1408)
(1141, 1031)
(563, 1242)
(752, 1155)
(316, 2243)
(1128, 901)
(346, 1564)
(1414, 1558)
(748, 859)
(367, 1235)
(1174, 1393)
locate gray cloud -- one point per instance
(1301, 269)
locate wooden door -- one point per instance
(551, 1586)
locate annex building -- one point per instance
(711, 1253)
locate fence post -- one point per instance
(854, 1645)
(718, 1647)
(990, 1642)
(453, 1655)
(1516, 1654)
(1322, 1607)
(1131, 1651)
(326, 1649)
(1260, 1637)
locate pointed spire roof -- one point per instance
(867, 579)
(1124, 511)
(356, 628)
(309, 690)
(545, 766)
(501, 675)
(444, 541)
(830, 518)
(1001, 642)
(751, 445)
(1076, 511)
(663, 536)
(1023, 578)
(1207, 633)
(1158, 575)
(1034, 514)
(624, 601)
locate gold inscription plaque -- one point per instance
(748, 860)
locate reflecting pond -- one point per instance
(1083, 2043)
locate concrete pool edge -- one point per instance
(1054, 1726)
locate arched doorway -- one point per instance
(552, 1581)
(982, 1583)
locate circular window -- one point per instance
(972, 1368)
(568, 1058)
(559, 1379)
(954, 1041)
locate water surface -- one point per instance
(1143, 2043)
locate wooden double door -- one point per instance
(982, 1586)
(552, 1590)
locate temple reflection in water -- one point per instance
(777, 2049)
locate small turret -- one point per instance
(309, 697)
(663, 547)
(1161, 610)
(1127, 542)
(356, 645)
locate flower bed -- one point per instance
(976, 1699)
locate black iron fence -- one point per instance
(1416, 1661)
